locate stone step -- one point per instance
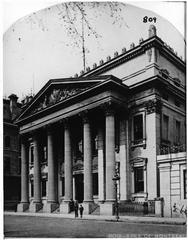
(96, 211)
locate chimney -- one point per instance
(13, 105)
(13, 102)
(152, 31)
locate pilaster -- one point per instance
(165, 188)
(153, 110)
(24, 204)
(37, 204)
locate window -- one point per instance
(165, 127)
(94, 142)
(32, 156)
(44, 156)
(139, 179)
(43, 187)
(19, 166)
(7, 165)
(63, 186)
(117, 134)
(7, 141)
(95, 183)
(138, 128)
(32, 188)
(177, 137)
(185, 183)
(45, 153)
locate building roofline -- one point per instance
(154, 41)
(104, 80)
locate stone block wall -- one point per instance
(172, 183)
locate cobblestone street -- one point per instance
(27, 226)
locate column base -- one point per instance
(88, 206)
(35, 207)
(107, 208)
(65, 207)
(50, 207)
(22, 207)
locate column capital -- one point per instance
(24, 138)
(109, 108)
(153, 106)
(85, 116)
(49, 128)
(35, 135)
(66, 122)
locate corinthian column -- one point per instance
(88, 190)
(68, 163)
(51, 201)
(110, 155)
(24, 204)
(65, 206)
(108, 207)
(37, 204)
(88, 194)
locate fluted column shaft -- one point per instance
(51, 167)
(110, 155)
(24, 172)
(68, 163)
(88, 191)
(37, 171)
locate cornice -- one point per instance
(158, 81)
(110, 83)
(154, 41)
(53, 82)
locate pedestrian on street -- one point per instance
(81, 210)
(71, 205)
(76, 209)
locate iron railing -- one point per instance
(172, 149)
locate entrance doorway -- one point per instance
(79, 188)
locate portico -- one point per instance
(83, 138)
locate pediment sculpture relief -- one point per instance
(57, 95)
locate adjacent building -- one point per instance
(125, 116)
(11, 153)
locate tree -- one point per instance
(76, 16)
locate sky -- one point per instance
(37, 47)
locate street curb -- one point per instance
(97, 218)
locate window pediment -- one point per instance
(138, 162)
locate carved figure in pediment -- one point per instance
(44, 104)
(54, 96)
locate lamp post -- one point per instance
(116, 178)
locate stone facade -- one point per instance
(118, 117)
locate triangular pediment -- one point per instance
(57, 91)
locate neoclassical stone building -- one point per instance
(124, 116)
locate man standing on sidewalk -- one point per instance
(76, 209)
(81, 210)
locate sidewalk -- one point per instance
(135, 219)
